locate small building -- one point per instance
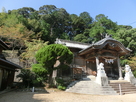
(88, 56)
(7, 68)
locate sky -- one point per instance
(121, 11)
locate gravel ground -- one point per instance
(61, 96)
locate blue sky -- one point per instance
(121, 11)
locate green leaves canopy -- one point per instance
(48, 55)
(102, 26)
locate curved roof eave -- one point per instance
(103, 41)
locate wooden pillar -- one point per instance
(1, 73)
(97, 61)
(86, 67)
(119, 67)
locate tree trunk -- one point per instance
(50, 78)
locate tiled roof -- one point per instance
(72, 44)
(107, 38)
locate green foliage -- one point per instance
(40, 72)
(32, 48)
(132, 63)
(60, 84)
(102, 26)
(86, 18)
(81, 38)
(127, 38)
(134, 72)
(48, 55)
(27, 77)
(61, 87)
(60, 81)
(124, 61)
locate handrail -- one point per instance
(120, 89)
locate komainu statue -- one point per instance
(101, 71)
(129, 75)
(101, 75)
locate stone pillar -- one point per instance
(119, 67)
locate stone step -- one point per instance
(96, 92)
(126, 87)
(87, 86)
(126, 91)
(123, 86)
(117, 81)
(130, 92)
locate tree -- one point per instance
(132, 63)
(101, 26)
(26, 11)
(86, 18)
(15, 35)
(27, 77)
(77, 25)
(57, 20)
(41, 72)
(48, 55)
(28, 56)
(47, 9)
(127, 37)
(81, 38)
(3, 17)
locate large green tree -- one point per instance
(57, 19)
(48, 55)
(102, 26)
(87, 19)
(127, 37)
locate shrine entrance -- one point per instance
(108, 51)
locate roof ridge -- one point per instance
(72, 41)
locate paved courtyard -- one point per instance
(61, 96)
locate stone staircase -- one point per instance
(89, 86)
(126, 87)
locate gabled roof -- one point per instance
(9, 65)
(72, 44)
(100, 44)
(5, 63)
(3, 45)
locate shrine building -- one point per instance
(88, 56)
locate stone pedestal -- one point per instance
(120, 78)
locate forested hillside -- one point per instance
(50, 22)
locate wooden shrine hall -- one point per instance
(88, 56)
(107, 51)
